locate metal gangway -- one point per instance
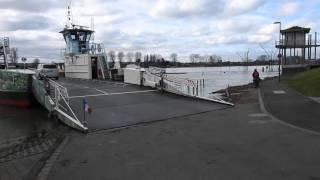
(54, 97)
(178, 85)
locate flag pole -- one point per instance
(84, 110)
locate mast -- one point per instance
(92, 28)
(69, 22)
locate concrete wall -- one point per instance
(133, 76)
(78, 66)
(298, 39)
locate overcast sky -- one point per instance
(222, 27)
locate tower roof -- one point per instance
(76, 28)
(295, 29)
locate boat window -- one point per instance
(88, 37)
(81, 36)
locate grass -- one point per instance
(308, 83)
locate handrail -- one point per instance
(61, 93)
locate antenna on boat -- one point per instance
(92, 28)
(69, 22)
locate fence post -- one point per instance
(193, 91)
(197, 87)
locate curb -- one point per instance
(44, 172)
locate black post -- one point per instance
(315, 46)
(279, 67)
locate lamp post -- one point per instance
(279, 55)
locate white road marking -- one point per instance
(279, 92)
(103, 92)
(258, 115)
(258, 122)
(110, 94)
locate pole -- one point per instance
(315, 46)
(84, 110)
(279, 56)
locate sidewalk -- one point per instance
(290, 106)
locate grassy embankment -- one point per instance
(307, 82)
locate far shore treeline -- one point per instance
(169, 64)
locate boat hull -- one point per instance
(18, 99)
(16, 88)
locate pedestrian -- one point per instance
(256, 78)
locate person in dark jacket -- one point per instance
(256, 78)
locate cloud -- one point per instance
(157, 26)
(31, 5)
(26, 22)
(186, 8)
(289, 8)
(236, 7)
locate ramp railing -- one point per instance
(62, 106)
(178, 85)
(186, 86)
(54, 97)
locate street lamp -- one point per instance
(279, 55)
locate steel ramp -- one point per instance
(55, 99)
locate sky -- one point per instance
(227, 28)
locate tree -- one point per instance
(194, 58)
(120, 56)
(174, 57)
(14, 54)
(130, 56)
(35, 62)
(112, 56)
(138, 57)
(215, 58)
(262, 58)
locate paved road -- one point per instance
(291, 106)
(234, 143)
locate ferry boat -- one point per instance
(15, 84)
(16, 87)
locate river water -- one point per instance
(217, 78)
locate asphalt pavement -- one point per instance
(291, 106)
(233, 143)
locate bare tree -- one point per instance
(138, 56)
(14, 54)
(130, 56)
(214, 58)
(120, 56)
(35, 62)
(194, 58)
(112, 56)
(174, 57)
